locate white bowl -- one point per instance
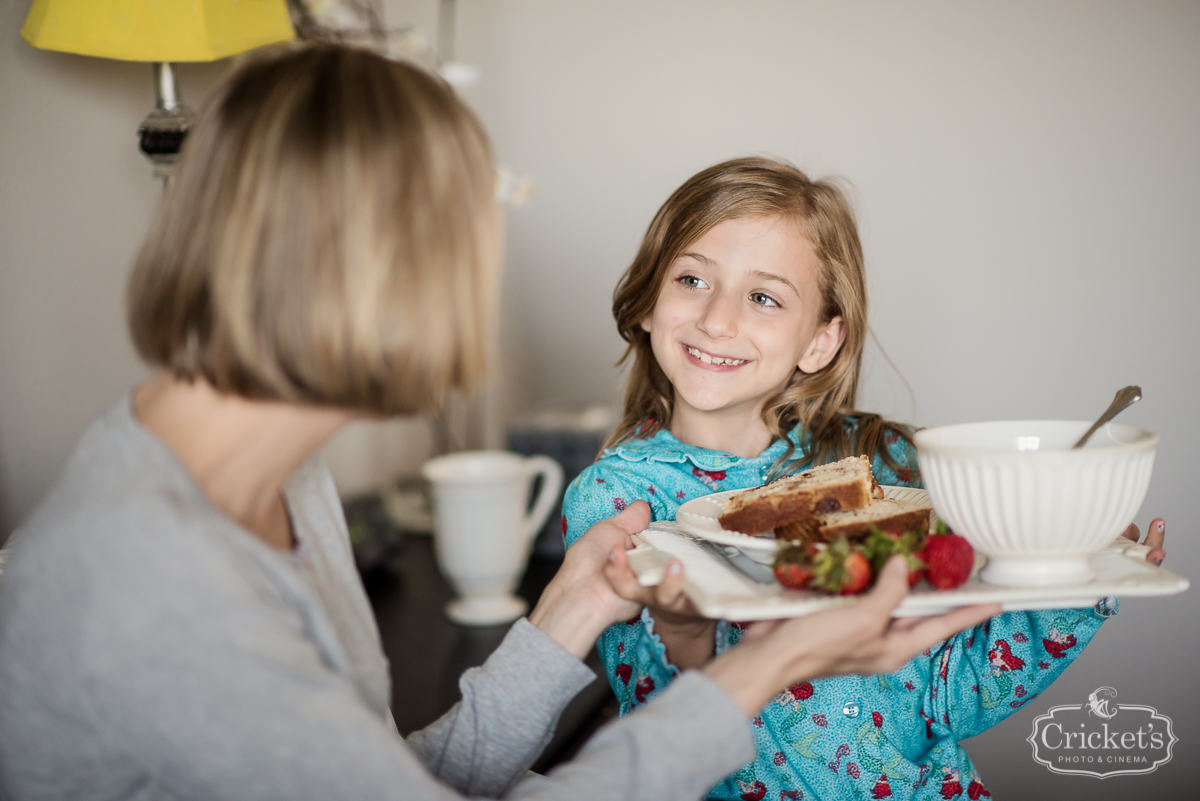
(1035, 508)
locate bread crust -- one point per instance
(790, 498)
(828, 527)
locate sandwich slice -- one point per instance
(839, 486)
(887, 514)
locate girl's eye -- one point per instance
(692, 282)
(763, 299)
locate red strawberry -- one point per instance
(793, 576)
(948, 559)
(880, 546)
(858, 574)
(840, 569)
(793, 566)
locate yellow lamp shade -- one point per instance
(157, 30)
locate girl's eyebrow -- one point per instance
(773, 277)
(700, 257)
(705, 260)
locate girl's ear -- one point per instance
(645, 323)
(823, 346)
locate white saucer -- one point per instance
(489, 610)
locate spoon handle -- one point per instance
(1124, 399)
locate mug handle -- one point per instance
(552, 480)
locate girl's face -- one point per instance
(738, 313)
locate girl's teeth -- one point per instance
(704, 357)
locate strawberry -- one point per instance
(840, 569)
(793, 566)
(858, 574)
(882, 545)
(948, 559)
(793, 576)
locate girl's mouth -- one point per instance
(710, 359)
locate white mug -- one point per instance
(483, 528)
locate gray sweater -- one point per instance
(152, 648)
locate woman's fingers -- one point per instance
(891, 587)
(907, 637)
(633, 519)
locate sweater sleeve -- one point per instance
(634, 657)
(675, 748)
(984, 674)
(510, 706)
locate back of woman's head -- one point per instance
(331, 238)
(736, 189)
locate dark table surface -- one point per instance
(428, 653)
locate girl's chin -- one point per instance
(719, 406)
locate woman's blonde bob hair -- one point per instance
(822, 402)
(332, 238)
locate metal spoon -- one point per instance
(1124, 399)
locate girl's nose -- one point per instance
(720, 317)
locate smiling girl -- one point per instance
(745, 311)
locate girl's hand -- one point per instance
(1154, 539)
(861, 637)
(685, 633)
(579, 602)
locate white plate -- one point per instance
(699, 517)
(721, 592)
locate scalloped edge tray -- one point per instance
(721, 592)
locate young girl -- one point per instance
(745, 311)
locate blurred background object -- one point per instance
(572, 436)
(374, 536)
(161, 33)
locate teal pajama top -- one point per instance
(871, 737)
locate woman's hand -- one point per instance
(860, 637)
(580, 603)
(1154, 539)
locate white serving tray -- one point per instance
(719, 591)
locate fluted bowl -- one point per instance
(1035, 508)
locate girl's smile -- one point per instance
(738, 313)
(711, 361)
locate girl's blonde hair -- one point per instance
(820, 401)
(331, 238)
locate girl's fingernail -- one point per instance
(1158, 561)
(612, 554)
(675, 567)
(1161, 525)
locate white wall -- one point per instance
(1026, 179)
(1026, 176)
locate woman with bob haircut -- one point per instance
(181, 617)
